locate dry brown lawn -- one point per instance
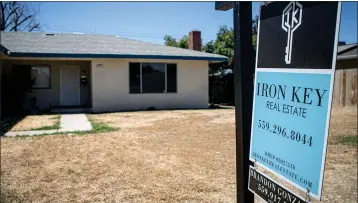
(156, 156)
(35, 122)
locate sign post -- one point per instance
(269, 190)
(243, 81)
(243, 85)
(295, 66)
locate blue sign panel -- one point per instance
(293, 90)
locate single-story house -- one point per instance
(102, 72)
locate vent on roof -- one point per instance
(50, 34)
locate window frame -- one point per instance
(141, 79)
(50, 76)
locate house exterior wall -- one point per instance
(50, 97)
(110, 86)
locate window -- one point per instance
(40, 77)
(171, 77)
(152, 77)
(134, 77)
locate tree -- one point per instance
(255, 25)
(209, 47)
(170, 41)
(18, 16)
(224, 43)
(183, 42)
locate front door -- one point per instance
(70, 85)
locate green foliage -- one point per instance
(170, 41)
(224, 43)
(183, 42)
(255, 25)
(209, 47)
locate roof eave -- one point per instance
(347, 57)
(4, 50)
(76, 55)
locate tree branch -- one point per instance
(10, 14)
(18, 16)
(3, 9)
(16, 25)
(36, 26)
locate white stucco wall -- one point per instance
(110, 86)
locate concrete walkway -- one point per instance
(68, 123)
(75, 122)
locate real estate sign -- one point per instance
(269, 190)
(296, 56)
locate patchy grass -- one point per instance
(180, 159)
(157, 156)
(345, 140)
(34, 122)
(97, 127)
(343, 126)
(55, 126)
(101, 127)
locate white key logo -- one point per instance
(291, 20)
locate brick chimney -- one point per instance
(194, 40)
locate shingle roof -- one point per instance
(342, 48)
(348, 51)
(37, 44)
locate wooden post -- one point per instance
(244, 84)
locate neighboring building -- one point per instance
(101, 72)
(346, 77)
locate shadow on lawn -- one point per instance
(211, 107)
(7, 123)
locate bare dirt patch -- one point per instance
(344, 121)
(36, 122)
(156, 156)
(137, 119)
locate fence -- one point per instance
(345, 87)
(221, 88)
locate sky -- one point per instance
(151, 21)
